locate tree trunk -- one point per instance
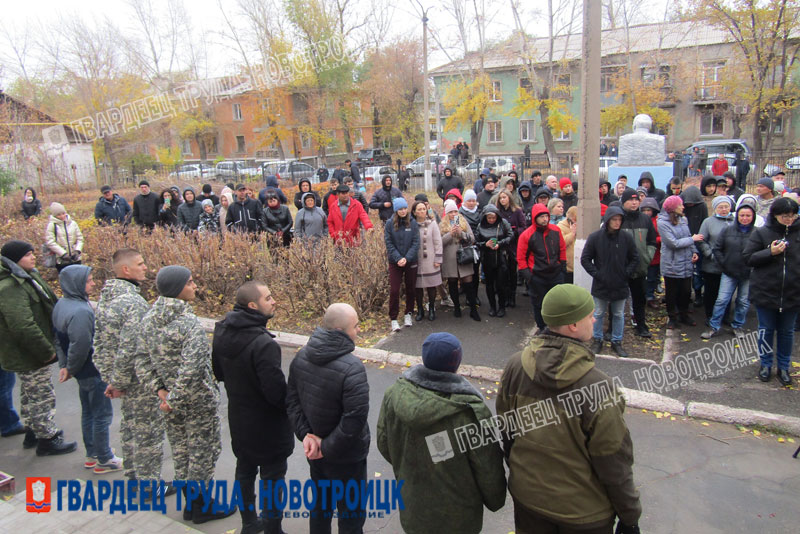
(376, 125)
(756, 134)
(547, 137)
(111, 158)
(201, 145)
(348, 143)
(475, 133)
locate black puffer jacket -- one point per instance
(696, 210)
(328, 396)
(449, 181)
(729, 247)
(610, 259)
(501, 231)
(652, 190)
(473, 218)
(773, 283)
(402, 242)
(298, 197)
(245, 216)
(248, 360)
(189, 212)
(386, 193)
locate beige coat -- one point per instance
(66, 238)
(430, 252)
(569, 240)
(450, 265)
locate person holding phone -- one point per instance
(457, 235)
(773, 251)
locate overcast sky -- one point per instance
(21, 15)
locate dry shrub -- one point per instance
(305, 278)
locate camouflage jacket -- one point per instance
(174, 353)
(118, 320)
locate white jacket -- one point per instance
(63, 237)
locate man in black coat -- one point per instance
(245, 214)
(111, 208)
(449, 181)
(610, 258)
(145, 206)
(328, 404)
(382, 198)
(247, 358)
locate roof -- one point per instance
(639, 38)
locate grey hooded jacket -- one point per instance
(73, 320)
(310, 222)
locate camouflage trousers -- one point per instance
(196, 442)
(142, 433)
(37, 402)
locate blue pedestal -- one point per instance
(662, 174)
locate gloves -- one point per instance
(622, 528)
(526, 274)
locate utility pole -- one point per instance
(589, 173)
(426, 103)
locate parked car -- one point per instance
(728, 147)
(235, 169)
(605, 163)
(438, 163)
(370, 157)
(290, 170)
(502, 165)
(376, 174)
(194, 170)
(793, 164)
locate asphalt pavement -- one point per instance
(693, 476)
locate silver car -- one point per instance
(376, 174)
(235, 169)
(194, 170)
(290, 170)
(502, 165)
(438, 163)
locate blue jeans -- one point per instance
(96, 414)
(9, 420)
(727, 286)
(653, 277)
(617, 318)
(771, 320)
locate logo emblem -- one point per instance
(439, 446)
(37, 494)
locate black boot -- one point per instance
(491, 296)
(432, 310)
(187, 510)
(512, 300)
(251, 523)
(199, 516)
(472, 301)
(55, 445)
(30, 440)
(272, 525)
(420, 307)
(501, 304)
(452, 286)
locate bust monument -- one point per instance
(641, 148)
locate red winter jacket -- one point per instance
(719, 167)
(457, 194)
(543, 251)
(657, 255)
(347, 231)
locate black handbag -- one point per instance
(467, 255)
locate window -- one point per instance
(711, 78)
(563, 136)
(305, 140)
(495, 131)
(562, 86)
(211, 145)
(607, 80)
(237, 112)
(525, 83)
(240, 143)
(358, 137)
(187, 146)
(711, 123)
(777, 126)
(496, 95)
(526, 133)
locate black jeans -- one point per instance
(539, 286)
(678, 293)
(246, 475)
(527, 521)
(710, 292)
(638, 292)
(320, 521)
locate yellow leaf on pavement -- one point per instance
(781, 440)
(672, 418)
(704, 423)
(756, 433)
(644, 411)
(790, 440)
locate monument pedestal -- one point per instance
(662, 174)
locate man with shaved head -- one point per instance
(328, 404)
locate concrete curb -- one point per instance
(634, 398)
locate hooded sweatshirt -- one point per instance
(449, 181)
(328, 396)
(578, 470)
(652, 190)
(609, 197)
(189, 212)
(610, 258)
(542, 249)
(310, 222)
(298, 197)
(706, 197)
(32, 208)
(695, 209)
(421, 402)
(752, 201)
(272, 186)
(650, 202)
(502, 187)
(528, 203)
(728, 249)
(384, 195)
(73, 320)
(500, 231)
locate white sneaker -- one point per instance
(114, 464)
(447, 302)
(395, 325)
(407, 320)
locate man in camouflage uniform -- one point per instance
(117, 323)
(173, 361)
(26, 345)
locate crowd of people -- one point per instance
(159, 360)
